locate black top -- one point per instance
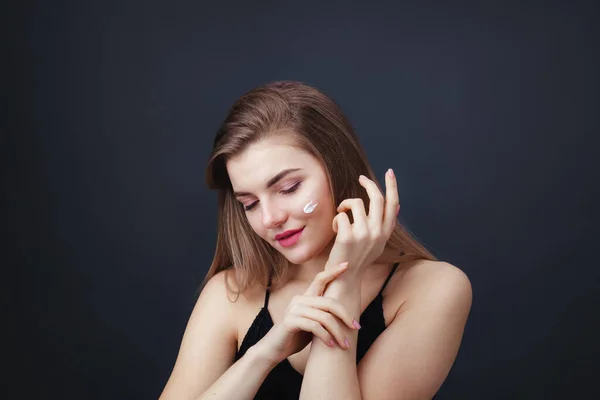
(284, 382)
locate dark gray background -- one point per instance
(485, 112)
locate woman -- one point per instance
(315, 290)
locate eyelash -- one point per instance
(288, 191)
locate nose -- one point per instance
(273, 216)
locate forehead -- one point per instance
(265, 158)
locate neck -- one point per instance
(306, 272)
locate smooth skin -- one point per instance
(308, 315)
(425, 308)
(413, 356)
(363, 241)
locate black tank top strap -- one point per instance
(267, 292)
(388, 278)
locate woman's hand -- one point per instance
(363, 241)
(310, 314)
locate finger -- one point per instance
(325, 320)
(376, 202)
(392, 201)
(309, 325)
(342, 226)
(357, 206)
(320, 281)
(331, 305)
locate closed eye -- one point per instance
(292, 189)
(287, 191)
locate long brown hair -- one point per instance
(319, 127)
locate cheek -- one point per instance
(322, 214)
(326, 212)
(326, 207)
(316, 198)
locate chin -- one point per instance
(298, 256)
(302, 254)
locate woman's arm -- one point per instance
(243, 379)
(203, 369)
(332, 373)
(411, 359)
(204, 364)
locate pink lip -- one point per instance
(287, 233)
(291, 240)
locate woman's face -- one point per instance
(274, 206)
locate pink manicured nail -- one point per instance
(347, 343)
(331, 342)
(398, 210)
(391, 173)
(356, 324)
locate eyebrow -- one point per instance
(271, 181)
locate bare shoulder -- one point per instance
(219, 288)
(414, 355)
(216, 300)
(208, 344)
(436, 282)
(426, 272)
(223, 289)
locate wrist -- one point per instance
(346, 290)
(344, 285)
(348, 281)
(351, 274)
(262, 354)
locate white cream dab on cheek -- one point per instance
(310, 207)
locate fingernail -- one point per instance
(397, 211)
(356, 324)
(331, 342)
(343, 265)
(347, 343)
(391, 173)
